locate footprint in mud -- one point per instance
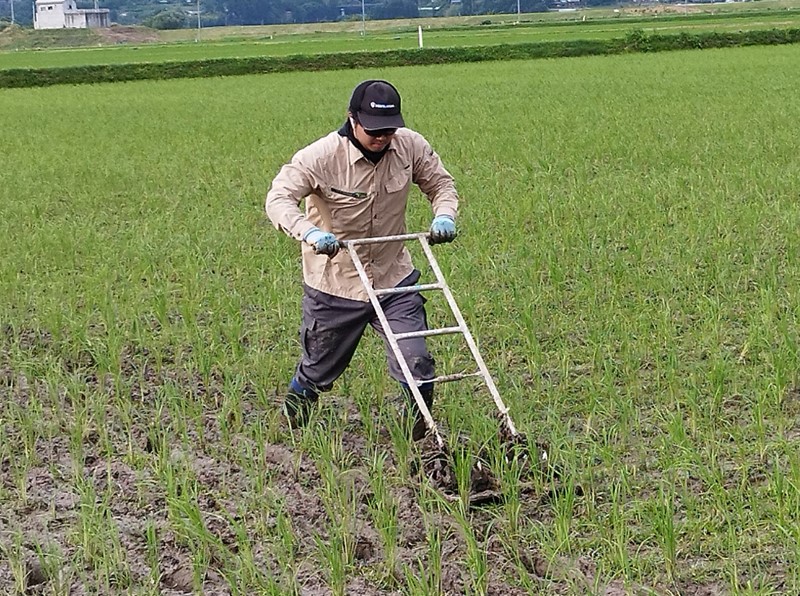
(35, 576)
(180, 577)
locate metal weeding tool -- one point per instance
(509, 434)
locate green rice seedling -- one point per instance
(12, 551)
(477, 561)
(335, 556)
(152, 552)
(426, 578)
(365, 401)
(54, 567)
(383, 508)
(402, 445)
(618, 540)
(302, 443)
(230, 415)
(665, 531)
(509, 473)
(563, 518)
(201, 558)
(188, 523)
(372, 426)
(336, 550)
(463, 462)
(326, 445)
(244, 574)
(784, 493)
(97, 539)
(512, 508)
(23, 420)
(251, 458)
(287, 545)
(20, 461)
(181, 410)
(78, 429)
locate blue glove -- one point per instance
(324, 243)
(443, 229)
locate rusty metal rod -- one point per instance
(429, 332)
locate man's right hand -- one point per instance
(323, 243)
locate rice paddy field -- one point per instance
(628, 262)
(282, 40)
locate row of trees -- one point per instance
(175, 14)
(255, 12)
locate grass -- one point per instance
(626, 261)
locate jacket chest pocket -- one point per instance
(347, 202)
(348, 208)
(399, 181)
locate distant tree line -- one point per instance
(177, 14)
(21, 10)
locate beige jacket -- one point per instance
(348, 195)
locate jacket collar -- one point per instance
(356, 150)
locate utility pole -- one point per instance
(12, 11)
(518, 12)
(363, 20)
(198, 22)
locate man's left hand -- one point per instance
(443, 229)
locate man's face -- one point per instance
(373, 140)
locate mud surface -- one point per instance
(241, 492)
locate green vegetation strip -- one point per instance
(635, 41)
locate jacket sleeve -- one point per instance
(434, 180)
(295, 181)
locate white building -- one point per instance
(64, 14)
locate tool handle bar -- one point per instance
(382, 239)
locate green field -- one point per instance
(628, 262)
(287, 40)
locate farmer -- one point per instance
(355, 183)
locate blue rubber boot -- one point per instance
(299, 404)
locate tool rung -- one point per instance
(429, 332)
(406, 289)
(454, 377)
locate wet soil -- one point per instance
(119, 470)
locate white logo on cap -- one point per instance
(383, 106)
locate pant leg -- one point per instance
(329, 334)
(405, 313)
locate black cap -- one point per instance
(376, 105)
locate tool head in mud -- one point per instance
(518, 448)
(437, 465)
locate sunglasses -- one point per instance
(381, 132)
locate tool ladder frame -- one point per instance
(393, 338)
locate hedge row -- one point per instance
(636, 41)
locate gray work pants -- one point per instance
(333, 326)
